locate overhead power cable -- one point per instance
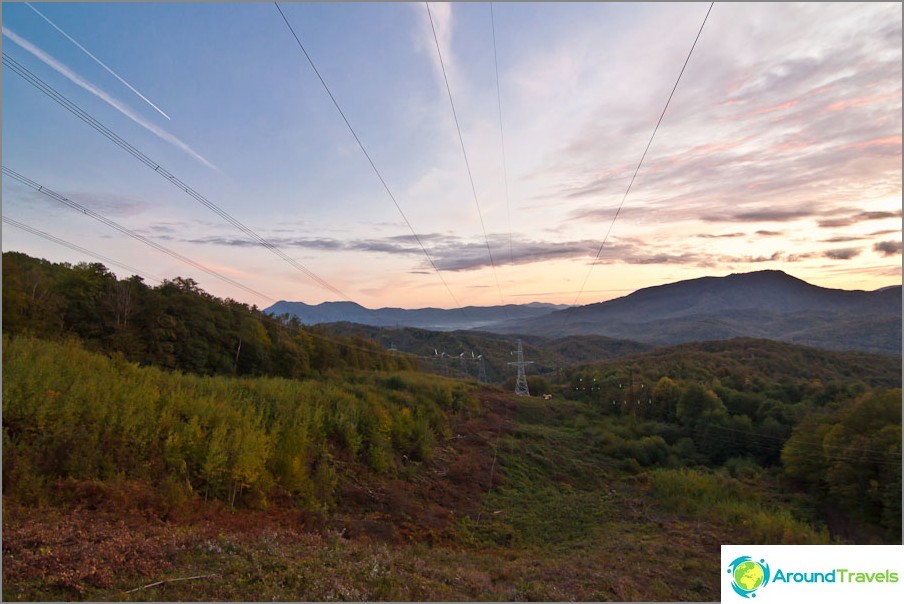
(369, 160)
(77, 248)
(96, 60)
(464, 153)
(125, 231)
(88, 212)
(38, 83)
(642, 157)
(508, 210)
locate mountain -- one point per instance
(763, 304)
(436, 319)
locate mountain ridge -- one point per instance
(437, 319)
(767, 304)
(764, 304)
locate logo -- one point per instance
(748, 575)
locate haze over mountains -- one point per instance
(436, 319)
(762, 304)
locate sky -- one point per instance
(780, 148)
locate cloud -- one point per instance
(766, 215)
(451, 253)
(799, 257)
(102, 95)
(842, 254)
(769, 233)
(842, 239)
(725, 236)
(861, 217)
(768, 124)
(440, 13)
(888, 248)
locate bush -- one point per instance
(705, 495)
(68, 413)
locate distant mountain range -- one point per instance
(435, 319)
(764, 304)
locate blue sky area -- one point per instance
(781, 148)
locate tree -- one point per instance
(851, 456)
(665, 399)
(697, 403)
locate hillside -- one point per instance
(369, 485)
(457, 350)
(764, 304)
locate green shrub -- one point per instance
(69, 413)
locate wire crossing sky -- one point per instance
(642, 157)
(780, 149)
(369, 160)
(98, 61)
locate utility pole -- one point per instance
(631, 400)
(521, 382)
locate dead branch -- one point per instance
(172, 581)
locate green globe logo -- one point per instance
(748, 575)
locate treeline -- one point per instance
(175, 325)
(829, 423)
(74, 415)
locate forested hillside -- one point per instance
(175, 325)
(831, 422)
(455, 352)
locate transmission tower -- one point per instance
(521, 383)
(482, 372)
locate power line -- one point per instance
(125, 231)
(61, 99)
(508, 211)
(642, 157)
(815, 444)
(77, 248)
(96, 60)
(310, 332)
(464, 153)
(369, 160)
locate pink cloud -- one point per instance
(861, 101)
(780, 107)
(885, 142)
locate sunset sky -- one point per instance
(781, 148)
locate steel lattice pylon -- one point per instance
(521, 383)
(482, 371)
